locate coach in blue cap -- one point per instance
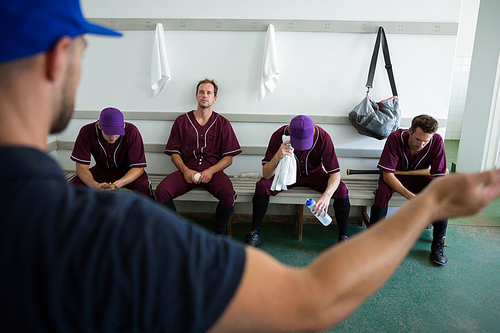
(76, 260)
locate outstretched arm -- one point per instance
(277, 298)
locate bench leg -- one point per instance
(300, 220)
(364, 218)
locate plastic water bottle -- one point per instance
(324, 219)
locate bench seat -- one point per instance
(360, 195)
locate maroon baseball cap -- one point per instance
(301, 133)
(112, 121)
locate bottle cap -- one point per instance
(309, 202)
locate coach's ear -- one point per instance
(57, 59)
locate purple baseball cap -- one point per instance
(28, 27)
(112, 121)
(301, 133)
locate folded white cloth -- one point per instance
(286, 171)
(160, 71)
(270, 71)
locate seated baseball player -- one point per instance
(118, 152)
(317, 168)
(202, 144)
(418, 147)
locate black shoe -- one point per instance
(437, 253)
(343, 238)
(253, 239)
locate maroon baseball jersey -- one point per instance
(322, 154)
(397, 155)
(127, 152)
(202, 146)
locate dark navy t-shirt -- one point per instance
(72, 259)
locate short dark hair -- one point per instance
(428, 124)
(212, 81)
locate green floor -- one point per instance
(463, 296)
(491, 215)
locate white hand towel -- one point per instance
(277, 185)
(270, 71)
(290, 167)
(286, 172)
(160, 71)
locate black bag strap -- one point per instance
(385, 49)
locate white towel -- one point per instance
(270, 71)
(160, 71)
(286, 172)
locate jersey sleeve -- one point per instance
(174, 140)
(136, 155)
(229, 143)
(329, 158)
(82, 151)
(390, 155)
(438, 163)
(274, 145)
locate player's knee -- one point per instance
(342, 191)
(262, 187)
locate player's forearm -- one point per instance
(83, 172)
(396, 185)
(269, 168)
(179, 163)
(224, 162)
(333, 184)
(129, 177)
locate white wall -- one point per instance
(320, 73)
(479, 140)
(382, 10)
(460, 83)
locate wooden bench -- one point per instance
(360, 195)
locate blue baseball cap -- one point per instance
(28, 27)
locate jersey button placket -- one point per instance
(201, 156)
